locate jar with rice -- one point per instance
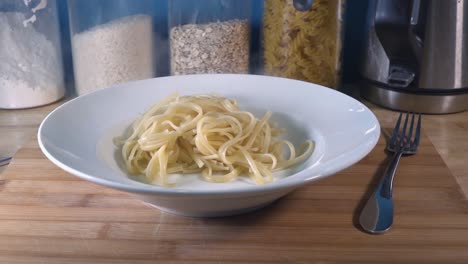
(112, 42)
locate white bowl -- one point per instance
(78, 135)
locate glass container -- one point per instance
(303, 40)
(31, 71)
(112, 42)
(209, 36)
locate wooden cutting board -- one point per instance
(49, 216)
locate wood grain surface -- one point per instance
(49, 216)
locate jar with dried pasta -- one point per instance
(209, 36)
(302, 40)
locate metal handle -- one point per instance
(4, 161)
(377, 215)
(445, 53)
(414, 39)
(415, 12)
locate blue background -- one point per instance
(355, 30)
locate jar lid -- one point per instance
(303, 5)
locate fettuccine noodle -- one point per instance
(207, 134)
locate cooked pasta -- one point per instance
(207, 134)
(303, 45)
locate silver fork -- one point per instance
(4, 161)
(377, 215)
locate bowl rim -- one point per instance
(292, 181)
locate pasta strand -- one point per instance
(209, 135)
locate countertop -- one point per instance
(50, 216)
(448, 133)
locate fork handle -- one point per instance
(387, 182)
(377, 215)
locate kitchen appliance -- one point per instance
(416, 57)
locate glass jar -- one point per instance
(112, 42)
(303, 40)
(209, 36)
(31, 72)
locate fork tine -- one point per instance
(395, 130)
(403, 134)
(410, 134)
(418, 133)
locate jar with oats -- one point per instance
(209, 36)
(302, 39)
